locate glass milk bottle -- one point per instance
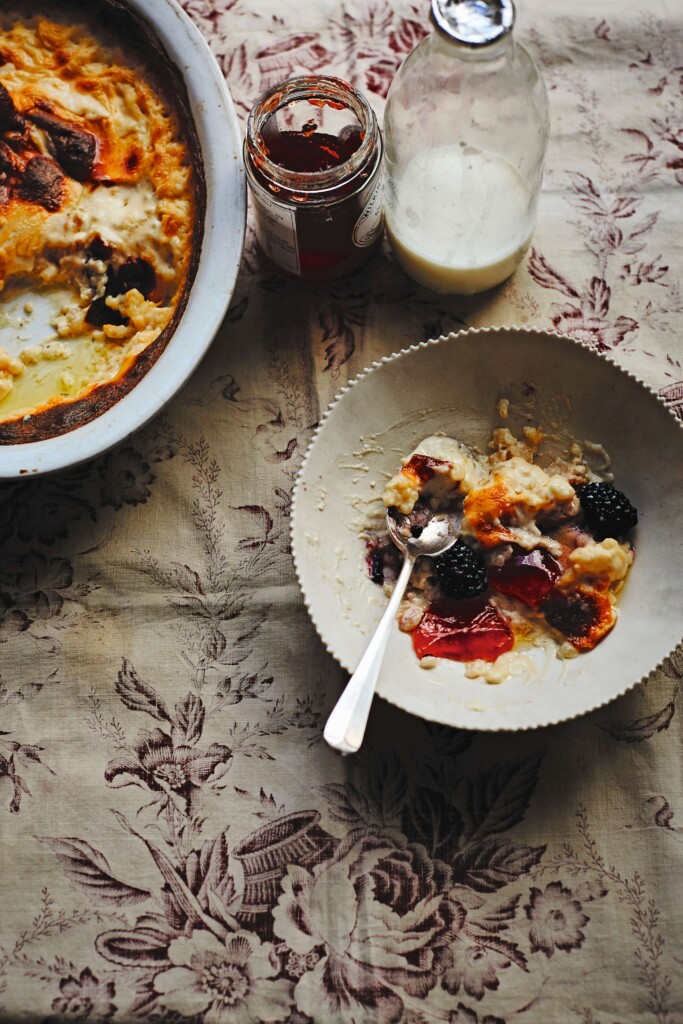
(465, 132)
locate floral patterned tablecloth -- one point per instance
(176, 842)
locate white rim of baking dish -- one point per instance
(377, 364)
(220, 256)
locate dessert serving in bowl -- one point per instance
(559, 595)
(122, 209)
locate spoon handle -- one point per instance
(345, 727)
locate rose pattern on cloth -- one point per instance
(176, 843)
(381, 914)
(367, 925)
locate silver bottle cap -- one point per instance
(473, 22)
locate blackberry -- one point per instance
(375, 564)
(461, 571)
(607, 511)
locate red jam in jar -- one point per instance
(313, 154)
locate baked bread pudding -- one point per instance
(100, 209)
(543, 553)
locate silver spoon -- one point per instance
(420, 533)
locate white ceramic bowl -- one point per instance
(221, 250)
(452, 386)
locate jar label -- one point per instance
(369, 224)
(276, 230)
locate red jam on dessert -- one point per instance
(462, 631)
(543, 552)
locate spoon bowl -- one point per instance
(422, 532)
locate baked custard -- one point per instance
(542, 556)
(101, 209)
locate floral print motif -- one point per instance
(174, 771)
(126, 478)
(376, 906)
(465, 1015)
(19, 756)
(18, 786)
(229, 983)
(43, 512)
(305, 716)
(253, 876)
(556, 919)
(12, 620)
(299, 964)
(42, 585)
(84, 998)
(585, 317)
(475, 967)
(592, 330)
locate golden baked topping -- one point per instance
(100, 207)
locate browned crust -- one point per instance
(65, 416)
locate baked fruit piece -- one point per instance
(582, 604)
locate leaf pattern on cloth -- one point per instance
(88, 869)
(176, 842)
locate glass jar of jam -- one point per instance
(313, 154)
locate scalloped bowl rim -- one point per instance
(298, 561)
